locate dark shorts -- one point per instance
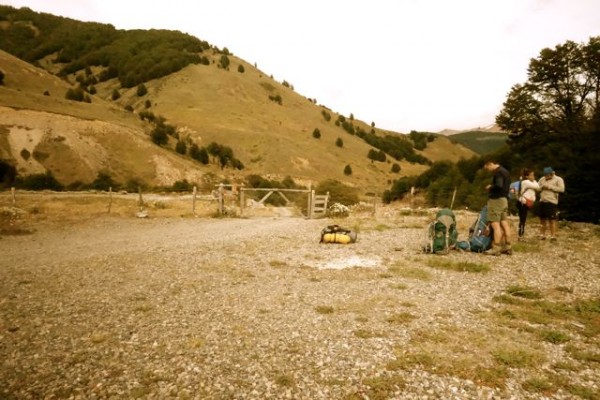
(548, 210)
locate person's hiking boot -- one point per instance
(542, 237)
(506, 249)
(553, 238)
(493, 251)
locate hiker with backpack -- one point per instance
(497, 207)
(526, 197)
(550, 187)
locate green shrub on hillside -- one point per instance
(338, 192)
(316, 133)
(181, 147)
(199, 154)
(141, 90)
(276, 98)
(76, 94)
(159, 136)
(44, 181)
(348, 170)
(224, 62)
(375, 155)
(339, 142)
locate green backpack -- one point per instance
(441, 233)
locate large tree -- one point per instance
(553, 119)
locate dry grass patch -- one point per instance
(526, 311)
(324, 309)
(379, 388)
(402, 270)
(368, 334)
(461, 266)
(401, 318)
(482, 356)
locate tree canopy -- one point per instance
(553, 119)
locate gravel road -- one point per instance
(200, 308)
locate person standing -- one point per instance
(497, 207)
(526, 197)
(550, 187)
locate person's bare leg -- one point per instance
(552, 229)
(507, 248)
(497, 240)
(543, 228)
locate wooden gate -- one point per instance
(316, 204)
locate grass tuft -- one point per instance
(525, 292)
(461, 266)
(324, 309)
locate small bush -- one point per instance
(316, 133)
(141, 90)
(45, 181)
(276, 98)
(339, 142)
(338, 192)
(348, 170)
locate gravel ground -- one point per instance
(256, 308)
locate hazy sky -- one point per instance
(406, 65)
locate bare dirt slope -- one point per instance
(118, 307)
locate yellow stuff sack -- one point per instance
(337, 234)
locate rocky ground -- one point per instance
(255, 308)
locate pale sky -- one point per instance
(422, 65)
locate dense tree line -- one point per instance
(133, 56)
(553, 119)
(397, 146)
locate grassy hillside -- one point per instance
(481, 142)
(268, 125)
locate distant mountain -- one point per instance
(488, 128)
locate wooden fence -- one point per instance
(235, 195)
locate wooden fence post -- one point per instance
(453, 197)
(309, 202)
(242, 200)
(194, 201)
(374, 206)
(140, 201)
(221, 199)
(109, 198)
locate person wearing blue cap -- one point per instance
(550, 187)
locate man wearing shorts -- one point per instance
(550, 186)
(497, 208)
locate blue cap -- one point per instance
(548, 171)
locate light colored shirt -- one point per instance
(550, 188)
(528, 189)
